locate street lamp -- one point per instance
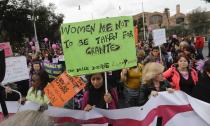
(34, 25)
(143, 20)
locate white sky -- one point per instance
(93, 9)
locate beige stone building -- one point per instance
(164, 19)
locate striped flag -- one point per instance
(177, 109)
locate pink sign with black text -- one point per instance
(7, 48)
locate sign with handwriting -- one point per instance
(98, 45)
(63, 88)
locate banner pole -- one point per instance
(106, 88)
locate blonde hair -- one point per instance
(140, 53)
(150, 71)
(183, 44)
(27, 118)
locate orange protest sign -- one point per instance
(63, 88)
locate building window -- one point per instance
(156, 19)
(141, 19)
(179, 20)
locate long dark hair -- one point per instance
(44, 80)
(96, 95)
(88, 77)
(32, 68)
(184, 56)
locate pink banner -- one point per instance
(7, 48)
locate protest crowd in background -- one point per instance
(181, 66)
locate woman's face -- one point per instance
(182, 62)
(97, 80)
(46, 55)
(36, 67)
(155, 52)
(35, 80)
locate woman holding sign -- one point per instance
(96, 96)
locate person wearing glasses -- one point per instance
(153, 82)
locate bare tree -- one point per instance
(198, 21)
(207, 1)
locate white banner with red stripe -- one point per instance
(176, 109)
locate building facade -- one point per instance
(163, 19)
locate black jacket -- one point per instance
(202, 89)
(146, 90)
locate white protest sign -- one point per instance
(61, 58)
(55, 60)
(16, 70)
(159, 36)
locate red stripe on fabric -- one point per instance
(101, 120)
(169, 111)
(165, 111)
(2, 116)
